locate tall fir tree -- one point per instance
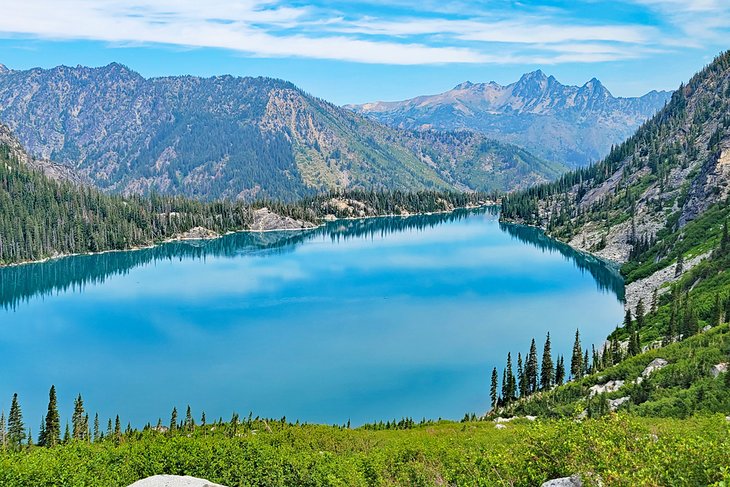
(511, 382)
(3, 431)
(493, 387)
(16, 428)
(576, 359)
(521, 380)
(531, 369)
(52, 433)
(560, 371)
(189, 421)
(173, 420)
(547, 373)
(96, 427)
(78, 419)
(640, 312)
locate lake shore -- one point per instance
(183, 238)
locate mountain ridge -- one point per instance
(228, 137)
(555, 121)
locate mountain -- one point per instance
(239, 138)
(570, 124)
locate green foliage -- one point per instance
(618, 450)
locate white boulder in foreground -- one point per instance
(173, 481)
(572, 481)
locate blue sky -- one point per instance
(352, 51)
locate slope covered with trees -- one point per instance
(42, 217)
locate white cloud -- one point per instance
(433, 33)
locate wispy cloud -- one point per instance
(369, 31)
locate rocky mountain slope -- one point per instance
(571, 124)
(240, 138)
(658, 202)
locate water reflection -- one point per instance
(606, 274)
(21, 283)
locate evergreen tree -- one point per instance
(117, 428)
(67, 434)
(576, 360)
(511, 382)
(654, 301)
(616, 352)
(96, 427)
(640, 314)
(531, 369)
(627, 319)
(109, 430)
(173, 420)
(78, 420)
(680, 266)
(42, 432)
(586, 363)
(202, 416)
(3, 431)
(16, 428)
(725, 240)
(189, 421)
(493, 388)
(560, 371)
(521, 379)
(52, 433)
(546, 371)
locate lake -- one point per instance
(363, 320)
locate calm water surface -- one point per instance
(361, 320)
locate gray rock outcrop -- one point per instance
(614, 404)
(610, 386)
(654, 365)
(266, 220)
(718, 369)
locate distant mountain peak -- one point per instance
(554, 120)
(464, 86)
(4, 69)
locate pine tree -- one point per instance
(189, 421)
(493, 388)
(202, 415)
(78, 420)
(725, 240)
(521, 379)
(52, 433)
(3, 431)
(96, 427)
(654, 301)
(576, 360)
(531, 369)
(67, 434)
(511, 382)
(173, 420)
(546, 371)
(117, 428)
(680, 266)
(627, 319)
(109, 430)
(616, 352)
(16, 429)
(640, 314)
(42, 432)
(560, 371)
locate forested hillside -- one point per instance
(41, 217)
(659, 205)
(237, 138)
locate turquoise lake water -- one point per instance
(362, 320)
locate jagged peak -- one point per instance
(4, 69)
(464, 86)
